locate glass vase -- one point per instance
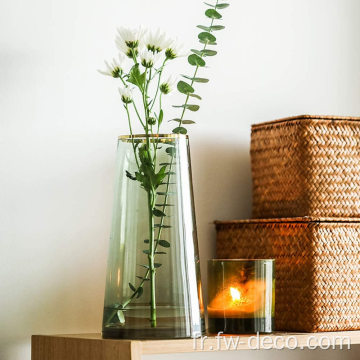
(153, 287)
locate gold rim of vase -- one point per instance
(161, 136)
(240, 260)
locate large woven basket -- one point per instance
(306, 166)
(317, 267)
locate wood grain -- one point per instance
(93, 347)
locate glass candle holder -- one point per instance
(241, 296)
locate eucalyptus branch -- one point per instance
(196, 59)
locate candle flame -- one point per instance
(235, 294)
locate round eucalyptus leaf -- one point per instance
(180, 130)
(212, 14)
(206, 36)
(196, 60)
(184, 87)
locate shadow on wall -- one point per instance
(222, 189)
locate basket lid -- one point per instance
(291, 220)
(308, 117)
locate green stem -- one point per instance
(138, 115)
(158, 84)
(151, 256)
(136, 110)
(195, 73)
(131, 134)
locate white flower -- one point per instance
(126, 95)
(157, 41)
(128, 40)
(115, 68)
(174, 50)
(168, 85)
(148, 58)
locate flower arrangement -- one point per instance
(143, 85)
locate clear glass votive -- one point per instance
(241, 296)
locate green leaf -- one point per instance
(165, 193)
(212, 14)
(188, 106)
(121, 317)
(165, 205)
(197, 52)
(146, 241)
(211, 28)
(132, 287)
(164, 243)
(207, 43)
(171, 151)
(130, 176)
(184, 87)
(196, 60)
(206, 28)
(180, 130)
(222, 6)
(187, 122)
(166, 163)
(162, 226)
(136, 77)
(144, 266)
(196, 79)
(207, 37)
(139, 292)
(217, 27)
(204, 52)
(157, 265)
(207, 52)
(160, 252)
(158, 213)
(218, 6)
(159, 177)
(161, 116)
(195, 96)
(147, 252)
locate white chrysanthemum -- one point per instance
(168, 85)
(147, 58)
(128, 40)
(126, 95)
(175, 50)
(157, 41)
(115, 68)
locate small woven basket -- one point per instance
(306, 166)
(317, 267)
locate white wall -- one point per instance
(60, 120)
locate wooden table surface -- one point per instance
(93, 347)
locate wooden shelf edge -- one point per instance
(92, 346)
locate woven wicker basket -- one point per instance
(306, 166)
(317, 267)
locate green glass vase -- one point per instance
(153, 287)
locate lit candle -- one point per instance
(240, 296)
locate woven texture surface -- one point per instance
(317, 268)
(306, 166)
